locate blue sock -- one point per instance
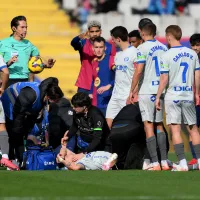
(192, 150)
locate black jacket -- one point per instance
(60, 120)
(92, 128)
(23, 121)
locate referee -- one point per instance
(16, 52)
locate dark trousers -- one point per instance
(16, 80)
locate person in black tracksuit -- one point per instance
(89, 125)
(22, 104)
(60, 120)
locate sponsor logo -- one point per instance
(48, 163)
(188, 101)
(183, 88)
(70, 112)
(155, 82)
(122, 68)
(99, 123)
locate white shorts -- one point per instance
(114, 107)
(148, 108)
(178, 110)
(94, 160)
(2, 115)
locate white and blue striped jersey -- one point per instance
(124, 63)
(149, 53)
(180, 63)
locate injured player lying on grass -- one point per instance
(98, 160)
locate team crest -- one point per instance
(97, 82)
(153, 98)
(126, 59)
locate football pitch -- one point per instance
(99, 185)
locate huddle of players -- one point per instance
(177, 71)
(150, 71)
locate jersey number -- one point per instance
(185, 65)
(156, 65)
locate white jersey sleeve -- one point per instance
(2, 63)
(124, 62)
(180, 63)
(149, 53)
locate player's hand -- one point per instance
(130, 99)
(102, 89)
(158, 107)
(1, 91)
(83, 35)
(63, 152)
(64, 139)
(197, 100)
(50, 63)
(59, 158)
(12, 60)
(91, 96)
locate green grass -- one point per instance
(97, 185)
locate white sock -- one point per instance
(183, 163)
(147, 161)
(155, 163)
(198, 161)
(5, 156)
(164, 162)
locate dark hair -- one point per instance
(143, 22)
(194, 39)
(99, 39)
(135, 33)
(81, 99)
(54, 92)
(15, 21)
(175, 30)
(149, 29)
(120, 32)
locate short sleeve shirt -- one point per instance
(149, 53)
(180, 63)
(124, 63)
(24, 49)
